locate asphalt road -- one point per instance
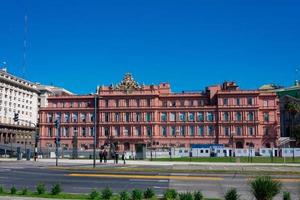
(27, 174)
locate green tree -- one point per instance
(265, 188)
(232, 195)
(293, 109)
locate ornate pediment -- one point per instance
(128, 84)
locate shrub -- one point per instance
(94, 195)
(124, 195)
(106, 193)
(136, 194)
(13, 190)
(40, 188)
(56, 189)
(287, 196)
(170, 194)
(1, 189)
(198, 195)
(232, 195)
(24, 191)
(149, 193)
(186, 196)
(265, 188)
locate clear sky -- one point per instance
(79, 44)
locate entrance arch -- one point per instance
(239, 145)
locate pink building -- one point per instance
(129, 114)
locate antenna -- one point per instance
(24, 44)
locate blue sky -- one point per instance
(80, 44)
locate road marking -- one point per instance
(288, 180)
(203, 178)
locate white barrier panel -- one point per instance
(244, 152)
(268, 152)
(290, 152)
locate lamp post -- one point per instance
(57, 140)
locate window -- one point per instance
(91, 131)
(49, 118)
(106, 116)
(117, 103)
(265, 103)
(163, 116)
(127, 102)
(75, 117)
(251, 131)
(226, 116)
(164, 131)
(172, 116)
(266, 131)
(182, 116)
(117, 131)
(106, 131)
(238, 131)
(201, 131)
(49, 132)
(173, 131)
(191, 117)
(250, 101)
(192, 130)
(201, 116)
(250, 116)
(226, 131)
(266, 117)
(106, 103)
(138, 116)
(91, 117)
(117, 117)
(127, 117)
(149, 131)
(210, 116)
(83, 132)
(138, 131)
(148, 117)
(225, 101)
(149, 102)
(83, 117)
(182, 131)
(67, 117)
(238, 116)
(211, 130)
(238, 101)
(127, 131)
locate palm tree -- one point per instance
(232, 195)
(265, 188)
(293, 109)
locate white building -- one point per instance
(17, 96)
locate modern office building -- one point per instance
(129, 114)
(17, 96)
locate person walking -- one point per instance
(105, 156)
(123, 157)
(117, 157)
(101, 155)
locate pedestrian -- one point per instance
(117, 157)
(105, 156)
(101, 155)
(123, 157)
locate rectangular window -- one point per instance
(49, 118)
(265, 103)
(49, 132)
(138, 117)
(148, 117)
(251, 131)
(83, 117)
(117, 131)
(91, 131)
(266, 131)
(106, 103)
(127, 131)
(211, 130)
(149, 131)
(117, 117)
(238, 101)
(226, 131)
(75, 117)
(201, 117)
(266, 117)
(106, 116)
(164, 131)
(182, 131)
(173, 131)
(83, 132)
(192, 130)
(210, 116)
(138, 131)
(201, 131)
(191, 117)
(226, 116)
(117, 103)
(106, 131)
(238, 116)
(172, 116)
(250, 101)
(163, 117)
(127, 117)
(182, 116)
(238, 131)
(225, 101)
